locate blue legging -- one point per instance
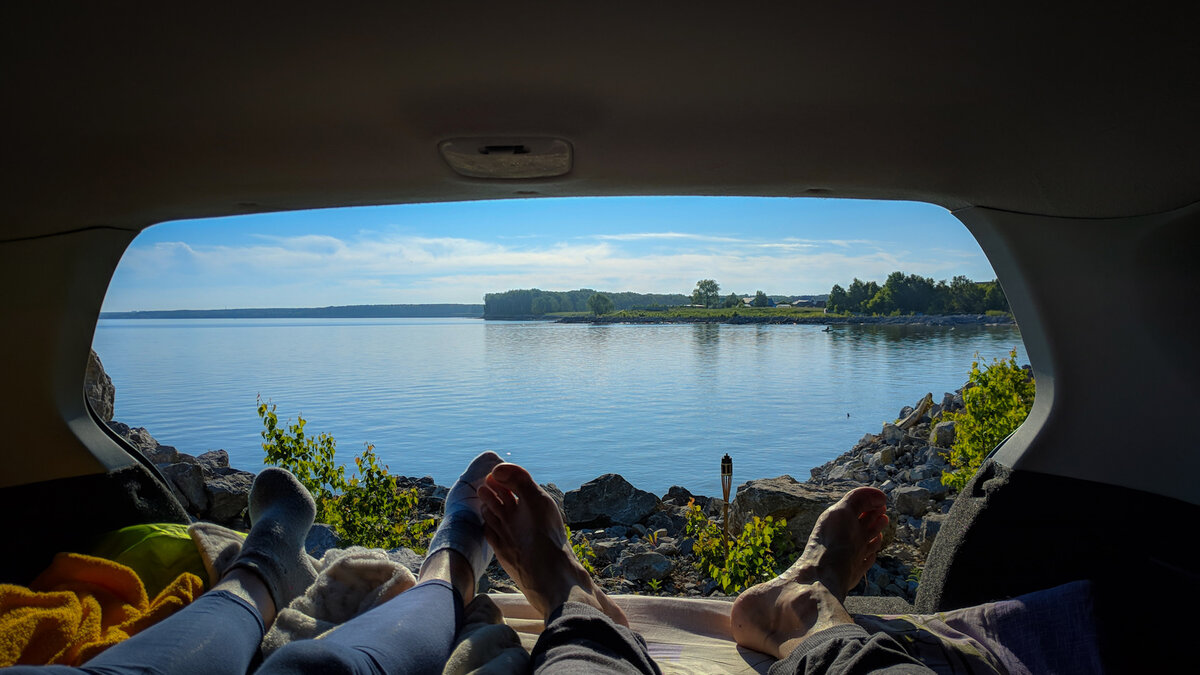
(220, 633)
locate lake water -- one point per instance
(659, 404)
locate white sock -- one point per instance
(462, 525)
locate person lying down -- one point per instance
(497, 508)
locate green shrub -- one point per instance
(757, 554)
(583, 551)
(365, 510)
(996, 402)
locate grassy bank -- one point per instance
(720, 313)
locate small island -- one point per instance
(901, 299)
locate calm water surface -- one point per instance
(659, 404)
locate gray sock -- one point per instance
(281, 512)
(462, 525)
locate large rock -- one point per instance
(608, 499)
(645, 566)
(942, 435)
(911, 500)
(885, 457)
(678, 495)
(228, 496)
(187, 483)
(671, 520)
(782, 497)
(98, 388)
(891, 434)
(557, 495)
(936, 489)
(407, 557)
(214, 459)
(150, 448)
(321, 538)
(930, 526)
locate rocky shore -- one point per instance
(739, 319)
(640, 539)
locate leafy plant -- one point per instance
(583, 551)
(757, 554)
(366, 509)
(652, 537)
(996, 401)
(655, 584)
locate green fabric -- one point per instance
(157, 552)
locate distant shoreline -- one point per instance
(431, 311)
(916, 319)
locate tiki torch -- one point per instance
(726, 484)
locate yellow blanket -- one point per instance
(80, 606)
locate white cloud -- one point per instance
(642, 236)
(369, 268)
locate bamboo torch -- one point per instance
(726, 484)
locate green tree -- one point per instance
(858, 294)
(707, 293)
(600, 304)
(761, 300)
(838, 301)
(733, 300)
(966, 296)
(996, 401)
(994, 298)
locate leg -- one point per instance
(413, 632)
(220, 632)
(584, 631)
(799, 616)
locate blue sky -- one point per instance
(456, 252)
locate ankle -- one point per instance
(452, 567)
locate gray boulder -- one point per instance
(608, 499)
(321, 538)
(673, 522)
(187, 483)
(930, 526)
(911, 500)
(782, 497)
(645, 566)
(407, 557)
(884, 457)
(214, 459)
(936, 489)
(677, 496)
(98, 388)
(891, 434)
(228, 496)
(144, 443)
(942, 435)
(555, 494)
(608, 550)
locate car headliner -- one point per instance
(1066, 142)
(130, 114)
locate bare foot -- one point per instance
(524, 528)
(775, 617)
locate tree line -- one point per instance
(536, 302)
(912, 294)
(336, 312)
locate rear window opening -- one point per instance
(783, 397)
(435, 332)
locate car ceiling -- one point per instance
(126, 114)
